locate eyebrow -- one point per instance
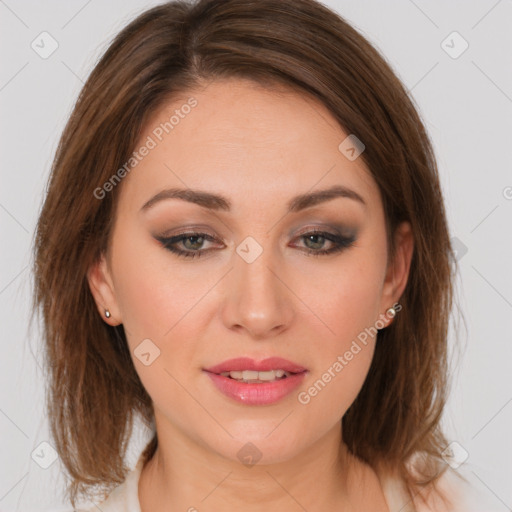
(217, 202)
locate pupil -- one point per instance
(318, 244)
(197, 244)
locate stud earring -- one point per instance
(107, 313)
(391, 312)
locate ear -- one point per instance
(102, 289)
(397, 272)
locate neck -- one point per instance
(183, 475)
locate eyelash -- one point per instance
(340, 243)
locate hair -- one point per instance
(93, 389)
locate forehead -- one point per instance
(242, 140)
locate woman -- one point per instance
(214, 149)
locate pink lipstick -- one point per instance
(256, 382)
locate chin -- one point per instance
(253, 444)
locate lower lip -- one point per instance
(257, 394)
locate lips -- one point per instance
(254, 391)
(246, 363)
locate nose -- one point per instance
(258, 301)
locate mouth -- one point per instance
(246, 368)
(256, 382)
(254, 377)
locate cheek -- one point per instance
(345, 296)
(161, 314)
(155, 295)
(342, 360)
(347, 301)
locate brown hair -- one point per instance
(94, 390)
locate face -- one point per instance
(197, 280)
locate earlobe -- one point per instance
(102, 289)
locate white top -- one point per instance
(125, 497)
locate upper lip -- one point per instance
(246, 363)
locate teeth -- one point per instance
(256, 377)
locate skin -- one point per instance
(258, 148)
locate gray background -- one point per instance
(466, 103)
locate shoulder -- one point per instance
(457, 491)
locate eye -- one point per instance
(192, 242)
(315, 241)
